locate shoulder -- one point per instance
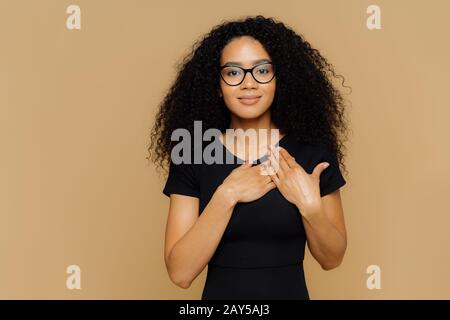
(305, 150)
(183, 173)
(308, 154)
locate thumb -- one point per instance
(320, 168)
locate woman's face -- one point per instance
(246, 52)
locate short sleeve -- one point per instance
(182, 179)
(331, 178)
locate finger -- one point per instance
(274, 164)
(264, 171)
(290, 160)
(269, 186)
(319, 169)
(281, 160)
(285, 152)
(275, 179)
(264, 168)
(247, 163)
(270, 172)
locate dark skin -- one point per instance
(191, 240)
(322, 216)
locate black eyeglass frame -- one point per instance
(245, 73)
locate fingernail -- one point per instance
(326, 165)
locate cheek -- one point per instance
(270, 91)
(229, 93)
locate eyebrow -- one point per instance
(240, 64)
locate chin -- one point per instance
(249, 114)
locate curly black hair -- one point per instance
(306, 104)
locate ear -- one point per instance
(219, 92)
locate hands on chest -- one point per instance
(294, 183)
(247, 183)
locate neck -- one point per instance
(262, 122)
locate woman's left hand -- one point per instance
(294, 183)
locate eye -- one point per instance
(263, 71)
(231, 72)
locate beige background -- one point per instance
(77, 107)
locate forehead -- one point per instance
(244, 51)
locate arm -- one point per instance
(191, 240)
(322, 217)
(325, 231)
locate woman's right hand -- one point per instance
(247, 183)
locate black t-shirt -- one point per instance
(265, 232)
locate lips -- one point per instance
(249, 100)
(249, 97)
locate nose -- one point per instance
(249, 81)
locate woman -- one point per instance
(250, 228)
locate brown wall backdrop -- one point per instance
(77, 107)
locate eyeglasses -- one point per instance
(234, 75)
